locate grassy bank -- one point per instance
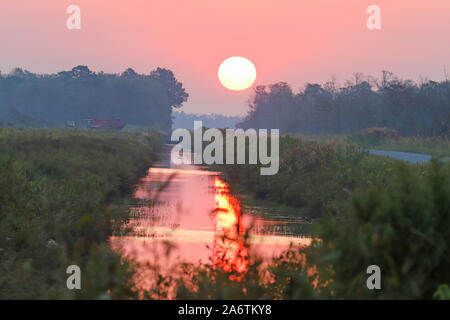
(403, 228)
(62, 193)
(435, 146)
(314, 177)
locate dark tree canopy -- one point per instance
(174, 89)
(78, 94)
(410, 108)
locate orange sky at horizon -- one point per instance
(287, 40)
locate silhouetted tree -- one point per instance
(363, 102)
(78, 94)
(174, 89)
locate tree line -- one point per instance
(410, 108)
(79, 94)
(186, 120)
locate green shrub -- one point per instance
(404, 229)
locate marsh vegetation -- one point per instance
(62, 194)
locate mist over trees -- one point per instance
(78, 94)
(410, 108)
(186, 120)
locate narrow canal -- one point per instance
(188, 214)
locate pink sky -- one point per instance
(288, 40)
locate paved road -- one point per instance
(404, 156)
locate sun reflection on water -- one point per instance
(229, 252)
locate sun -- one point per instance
(237, 73)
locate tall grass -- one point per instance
(433, 145)
(436, 146)
(314, 177)
(62, 193)
(403, 228)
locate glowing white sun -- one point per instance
(237, 73)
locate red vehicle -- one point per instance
(96, 123)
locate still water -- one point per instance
(188, 214)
